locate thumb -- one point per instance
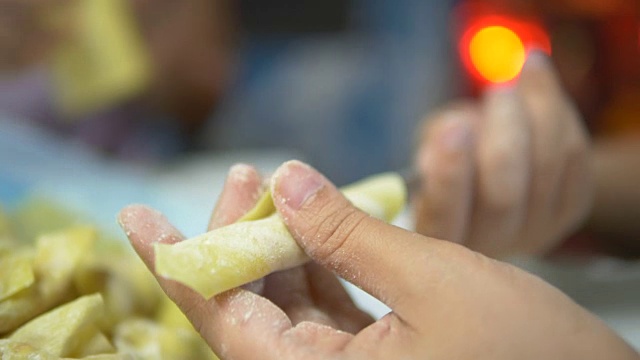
(378, 257)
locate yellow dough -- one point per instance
(260, 243)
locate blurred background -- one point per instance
(342, 83)
(108, 102)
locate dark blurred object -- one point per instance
(29, 29)
(192, 46)
(294, 17)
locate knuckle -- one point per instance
(334, 231)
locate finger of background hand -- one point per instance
(380, 258)
(552, 122)
(445, 162)
(225, 321)
(503, 157)
(241, 191)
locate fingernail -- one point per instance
(295, 182)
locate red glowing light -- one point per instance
(494, 48)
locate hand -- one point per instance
(303, 294)
(508, 174)
(448, 302)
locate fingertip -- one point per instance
(126, 213)
(239, 307)
(244, 181)
(294, 183)
(144, 226)
(242, 173)
(135, 216)
(539, 74)
(242, 189)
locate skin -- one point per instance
(447, 301)
(510, 173)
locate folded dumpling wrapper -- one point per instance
(259, 243)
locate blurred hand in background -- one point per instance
(509, 173)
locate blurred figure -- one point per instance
(25, 39)
(515, 171)
(132, 78)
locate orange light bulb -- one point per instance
(497, 53)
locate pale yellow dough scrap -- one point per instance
(16, 273)
(57, 257)
(15, 350)
(64, 330)
(147, 340)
